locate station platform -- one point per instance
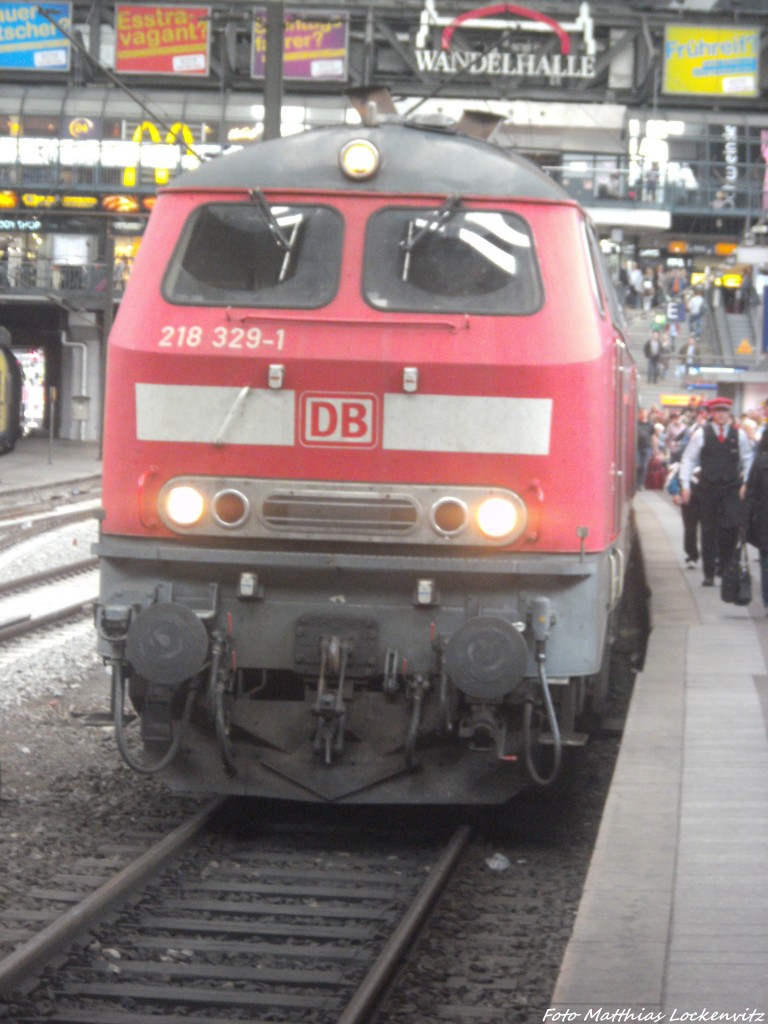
(39, 462)
(673, 920)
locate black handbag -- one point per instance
(736, 584)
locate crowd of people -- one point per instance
(672, 303)
(715, 467)
(649, 288)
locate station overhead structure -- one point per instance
(650, 113)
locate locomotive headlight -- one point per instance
(184, 505)
(230, 508)
(359, 159)
(449, 516)
(499, 517)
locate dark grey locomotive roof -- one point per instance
(413, 160)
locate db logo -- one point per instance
(338, 419)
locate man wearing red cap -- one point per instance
(724, 456)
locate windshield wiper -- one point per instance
(285, 242)
(449, 209)
(234, 410)
(274, 227)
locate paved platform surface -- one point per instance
(673, 921)
(39, 462)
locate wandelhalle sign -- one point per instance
(522, 50)
(161, 40)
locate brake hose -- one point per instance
(554, 727)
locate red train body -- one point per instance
(340, 365)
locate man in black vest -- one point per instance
(724, 456)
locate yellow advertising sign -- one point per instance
(675, 400)
(731, 280)
(706, 60)
(34, 199)
(79, 202)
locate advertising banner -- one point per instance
(704, 60)
(314, 47)
(162, 40)
(29, 42)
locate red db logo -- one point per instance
(338, 419)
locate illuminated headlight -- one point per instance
(499, 518)
(359, 160)
(184, 505)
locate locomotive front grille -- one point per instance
(310, 512)
(241, 507)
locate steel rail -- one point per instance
(12, 501)
(50, 518)
(72, 569)
(29, 624)
(359, 1007)
(32, 956)
(15, 531)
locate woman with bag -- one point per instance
(657, 467)
(757, 510)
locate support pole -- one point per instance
(273, 71)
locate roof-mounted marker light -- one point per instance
(359, 159)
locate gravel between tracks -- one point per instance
(68, 544)
(65, 792)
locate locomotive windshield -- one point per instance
(251, 254)
(451, 260)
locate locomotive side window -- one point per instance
(592, 268)
(603, 274)
(253, 254)
(451, 259)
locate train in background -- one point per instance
(11, 408)
(368, 470)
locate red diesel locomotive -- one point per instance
(368, 465)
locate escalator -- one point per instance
(736, 317)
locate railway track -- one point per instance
(31, 501)
(309, 923)
(29, 518)
(17, 526)
(39, 599)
